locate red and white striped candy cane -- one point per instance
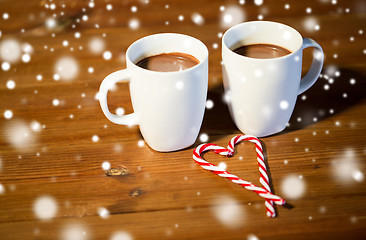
(264, 192)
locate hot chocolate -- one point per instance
(262, 51)
(168, 62)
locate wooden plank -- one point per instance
(167, 195)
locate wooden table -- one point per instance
(55, 141)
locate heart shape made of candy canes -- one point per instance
(264, 191)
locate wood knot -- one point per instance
(118, 171)
(136, 192)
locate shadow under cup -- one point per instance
(261, 93)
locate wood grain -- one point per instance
(166, 195)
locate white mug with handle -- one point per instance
(261, 93)
(168, 106)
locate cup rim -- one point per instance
(205, 49)
(226, 34)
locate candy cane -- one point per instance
(264, 192)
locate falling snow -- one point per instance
(103, 212)
(74, 232)
(197, 19)
(19, 134)
(109, 7)
(252, 237)
(134, 9)
(10, 50)
(222, 165)
(179, 85)
(107, 55)
(284, 104)
(231, 16)
(95, 138)
(311, 24)
(10, 84)
(141, 143)
(228, 212)
(120, 111)
(67, 68)
(5, 16)
(2, 189)
(346, 168)
(55, 102)
(357, 175)
(96, 45)
(8, 114)
(293, 187)
(77, 35)
(26, 57)
(204, 137)
(106, 165)
(121, 235)
(45, 207)
(258, 72)
(258, 2)
(35, 126)
(134, 23)
(56, 77)
(209, 104)
(5, 66)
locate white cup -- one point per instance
(261, 93)
(168, 106)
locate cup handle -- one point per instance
(316, 67)
(107, 83)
